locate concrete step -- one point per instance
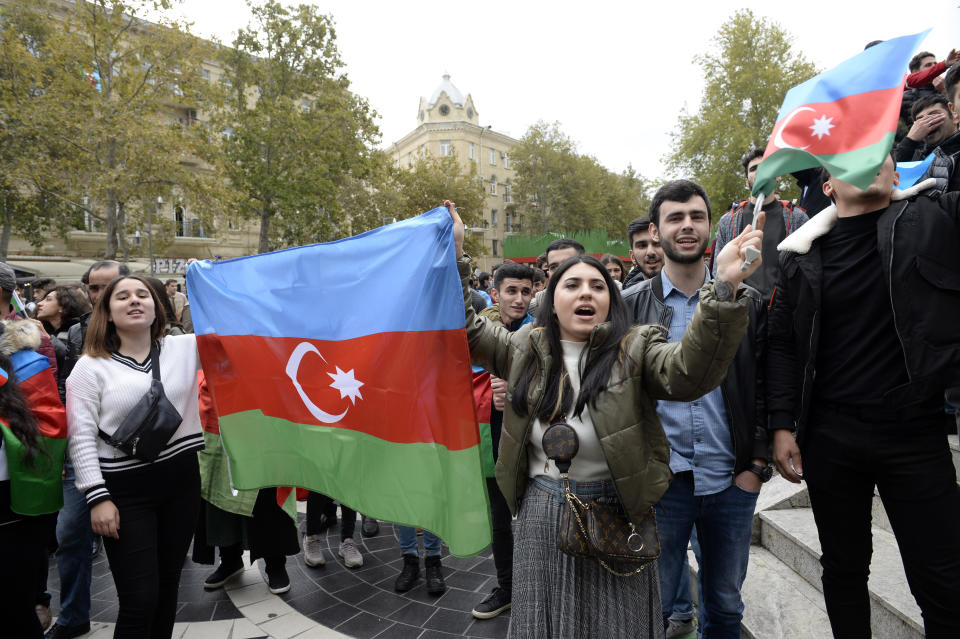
(791, 536)
(777, 602)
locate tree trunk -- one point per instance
(265, 214)
(121, 237)
(5, 236)
(110, 219)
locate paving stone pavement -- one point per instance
(329, 601)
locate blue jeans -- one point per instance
(723, 522)
(683, 604)
(74, 558)
(408, 542)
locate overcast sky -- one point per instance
(614, 74)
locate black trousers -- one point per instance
(158, 511)
(23, 554)
(319, 504)
(502, 536)
(909, 462)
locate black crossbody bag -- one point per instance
(151, 423)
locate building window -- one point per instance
(493, 217)
(205, 74)
(396, 163)
(493, 157)
(472, 151)
(493, 185)
(445, 148)
(496, 248)
(506, 192)
(410, 159)
(506, 161)
(508, 222)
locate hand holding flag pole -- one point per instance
(458, 227)
(739, 258)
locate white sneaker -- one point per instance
(351, 555)
(313, 550)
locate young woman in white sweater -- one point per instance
(146, 511)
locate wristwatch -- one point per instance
(763, 472)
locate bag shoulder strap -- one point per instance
(155, 361)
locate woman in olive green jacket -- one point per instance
(583, 363)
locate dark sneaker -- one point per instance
(434, 576)
(369, 526)
(495, 603)
(408, 574)
(278, 581)
(681, 628)
(222, 575)
(67, 632)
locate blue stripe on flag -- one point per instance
(400, 277)
(880, 67)
(911, 172)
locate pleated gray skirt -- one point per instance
(557, 596)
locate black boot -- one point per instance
(434, 576)
(408, 574)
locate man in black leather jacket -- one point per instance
(863, 341)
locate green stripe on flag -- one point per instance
(858, 167)
(422, 485)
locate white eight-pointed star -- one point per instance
(821, 127)
(347, 384)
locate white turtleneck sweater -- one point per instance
(589, 464)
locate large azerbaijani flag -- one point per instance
(844, 119)
(344, 368)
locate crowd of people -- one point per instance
(688, 379)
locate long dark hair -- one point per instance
(596, 375)
(15, 412)
(73, 305)
(161, 290)
(102, 338)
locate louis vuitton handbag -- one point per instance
(150, 424)
(599, 528)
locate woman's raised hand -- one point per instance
(457, 227)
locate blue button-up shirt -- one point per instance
(698, 431)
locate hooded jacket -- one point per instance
(624, 416)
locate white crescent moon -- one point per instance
(778, 138)
(293, 366)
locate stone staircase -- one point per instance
(782, 594)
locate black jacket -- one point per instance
(75, 337)
(743, 387)
(918, 245)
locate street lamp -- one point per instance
(150, 231)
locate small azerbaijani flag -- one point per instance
(18, 305)
(344, 368)
(844, 119)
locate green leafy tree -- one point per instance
(749, 69)
(106, 110)
(560, 190)
(294, 133)
(389, 193)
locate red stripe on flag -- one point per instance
(412, 386)
(828, 128)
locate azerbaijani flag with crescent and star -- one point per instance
(844, 119)
(343, 368)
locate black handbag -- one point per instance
(151, 423)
